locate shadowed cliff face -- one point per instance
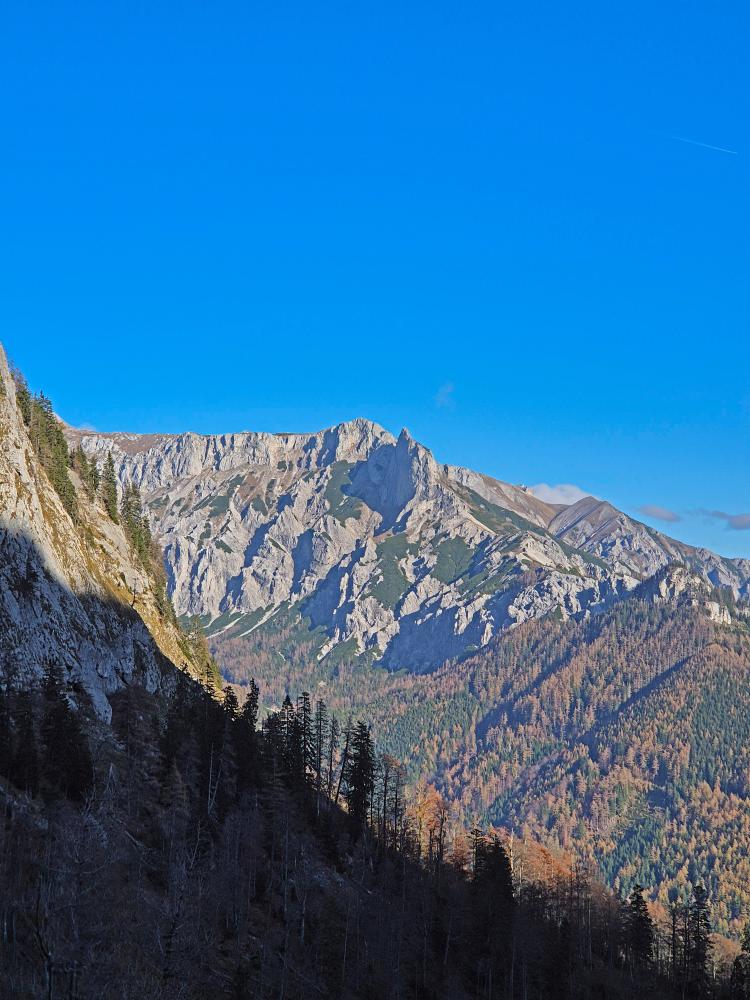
(72, 589)
(101, 643)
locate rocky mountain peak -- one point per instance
(367, 537)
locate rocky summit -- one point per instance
(390, 556)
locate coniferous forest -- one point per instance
(188, 852)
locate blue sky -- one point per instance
(472, 220)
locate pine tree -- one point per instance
(333, 749)
(6, 740)
(231, 704)
(320, 737)
(135, 522)
(698, 945)
(360, 774)
(23, 396)
(639, 929)
(67, 760)
(25, 766)
(109, 488)
(49, 444)
(87, 470)
(304, 714)
(177, 723)
(492, 910)
(245, 741)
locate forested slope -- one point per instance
(622, 737)
(194, 856)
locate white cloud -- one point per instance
(565, 493)
(659, 513)
(737, 522)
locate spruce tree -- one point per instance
(135, 522)
(231, 704)
(67, 759)
(109, 488)
(87, 470)
(360, 774)
(23, 396)
(177, 724)
(320, 737)
(333, 749)
(492, 910)
(639, 929)
(49, 444)
(288, 734)
(6, 738)
(245, 741)
(304, 715)
(25, 766)
(698, 944)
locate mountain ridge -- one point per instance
(402, 560)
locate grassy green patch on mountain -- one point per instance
(342, 506)
(454, 557)
(392, 584)
(498, 519)
(218, 503)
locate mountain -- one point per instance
(73, 590)
(550, 668)
(391, 558)
(155, 843)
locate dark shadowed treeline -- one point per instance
(184, 852)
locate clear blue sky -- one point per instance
(469, 219)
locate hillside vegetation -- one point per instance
(192, 855)
(622, 738)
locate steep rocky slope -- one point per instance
(72, 592)
(389, 555)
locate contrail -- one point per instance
(694, 142)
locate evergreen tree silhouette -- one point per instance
(25, 766)
(67, 759)
(639, 929)
(6, 737)
(245, 741)
(360, 774)
(109, 488)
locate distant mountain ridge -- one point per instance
(392, 556)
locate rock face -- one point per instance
(70, 592)
(406, 561)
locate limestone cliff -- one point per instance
(369, 539)
(72, 590)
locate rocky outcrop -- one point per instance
(71, 592)
(405, 560)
